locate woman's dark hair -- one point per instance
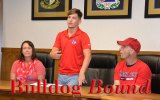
(34, 56)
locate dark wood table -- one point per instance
(6, 94)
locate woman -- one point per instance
(28, 67)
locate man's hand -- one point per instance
(55, 53)
(81, 79)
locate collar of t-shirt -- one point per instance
(132, 64)
(75, 34)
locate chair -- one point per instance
(153, 61)
(101, 67)
(49, 65)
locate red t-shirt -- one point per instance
(138, 74)
(37, 69)
(72, 50)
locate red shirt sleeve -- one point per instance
(40, 69)
(14, 66)
(86, 42)
(144, 75)
(57, 43)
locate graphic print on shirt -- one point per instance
(128, 76)
(74, 42)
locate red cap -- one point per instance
(132, 42)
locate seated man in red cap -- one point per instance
(131, 71)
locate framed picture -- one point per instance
(103, 9)
(152, 9)
(50, 9)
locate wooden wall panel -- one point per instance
(9, 55)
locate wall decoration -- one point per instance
(103, 9)
(50, 9)
(152, 9)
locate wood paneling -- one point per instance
(9, 55)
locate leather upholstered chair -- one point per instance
(49, 65)
(153, 61)
(101, 67)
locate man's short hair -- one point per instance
(75, 11)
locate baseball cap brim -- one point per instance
(123, 43)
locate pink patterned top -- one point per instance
(28, 72)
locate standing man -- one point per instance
(131, 71)
(73, 48)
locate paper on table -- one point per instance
(52, 84)
(35, 84)
(49, 84)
